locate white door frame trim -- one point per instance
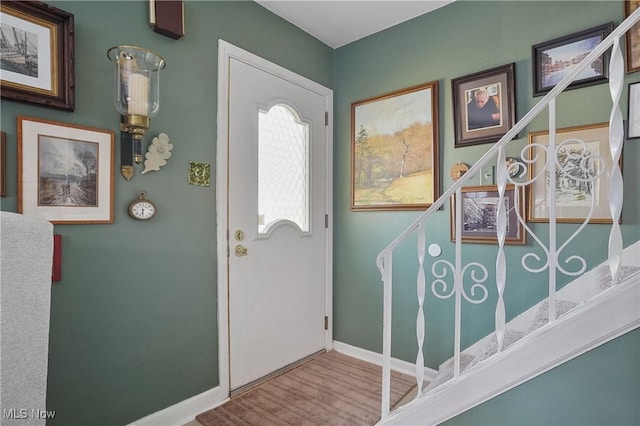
(225, 52)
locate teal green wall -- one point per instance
(133, 322)
(459, 39)
(601, 387)
(133, 325)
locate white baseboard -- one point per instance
(185, 411)
(376, 358)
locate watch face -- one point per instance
(143, 210)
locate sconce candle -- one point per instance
(136, 97)
(138, 102)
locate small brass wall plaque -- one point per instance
(199, 173)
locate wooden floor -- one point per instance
(332, 389)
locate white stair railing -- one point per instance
(478, 273)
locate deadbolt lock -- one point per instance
(239, 234)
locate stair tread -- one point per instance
(605, 279)
(510, 337)
(542, 317)
(447, 373)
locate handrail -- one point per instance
(520, 125)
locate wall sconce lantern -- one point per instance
(136, 97)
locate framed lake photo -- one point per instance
(37, 54)
(581, 167)
(483, 105)
(480, 214)
(554, 59)
(394, 150)
(65, 171)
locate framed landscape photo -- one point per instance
(37, 54)
(484, 105)
(633, 121)
(394, 150)
(583, 161)
(65, 171)
(554, 59)
(480, 214)
(633, 37)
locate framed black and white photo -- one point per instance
(554, 59)
(480, 214)
(37, 54)
(65, 171)
(483, 105)
(582, 164)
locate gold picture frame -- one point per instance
(583, 154)
(394, 150)
(65, 171)
(479, 214)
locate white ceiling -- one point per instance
(339, 22)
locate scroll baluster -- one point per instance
(458, 284)
(501, 260)
(385, 267)
(551, 169)
(420, 326)
(616, 132)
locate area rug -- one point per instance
(332, 389)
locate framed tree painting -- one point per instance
(65, 171)
(394, 150)
(37, 54)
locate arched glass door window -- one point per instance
(283, 169)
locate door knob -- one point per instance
(241, 251)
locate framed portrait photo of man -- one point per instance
(483, 105)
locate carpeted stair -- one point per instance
(570, 297)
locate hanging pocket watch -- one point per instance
(141, 208)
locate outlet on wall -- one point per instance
(486, 175)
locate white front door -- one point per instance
(276, 231)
